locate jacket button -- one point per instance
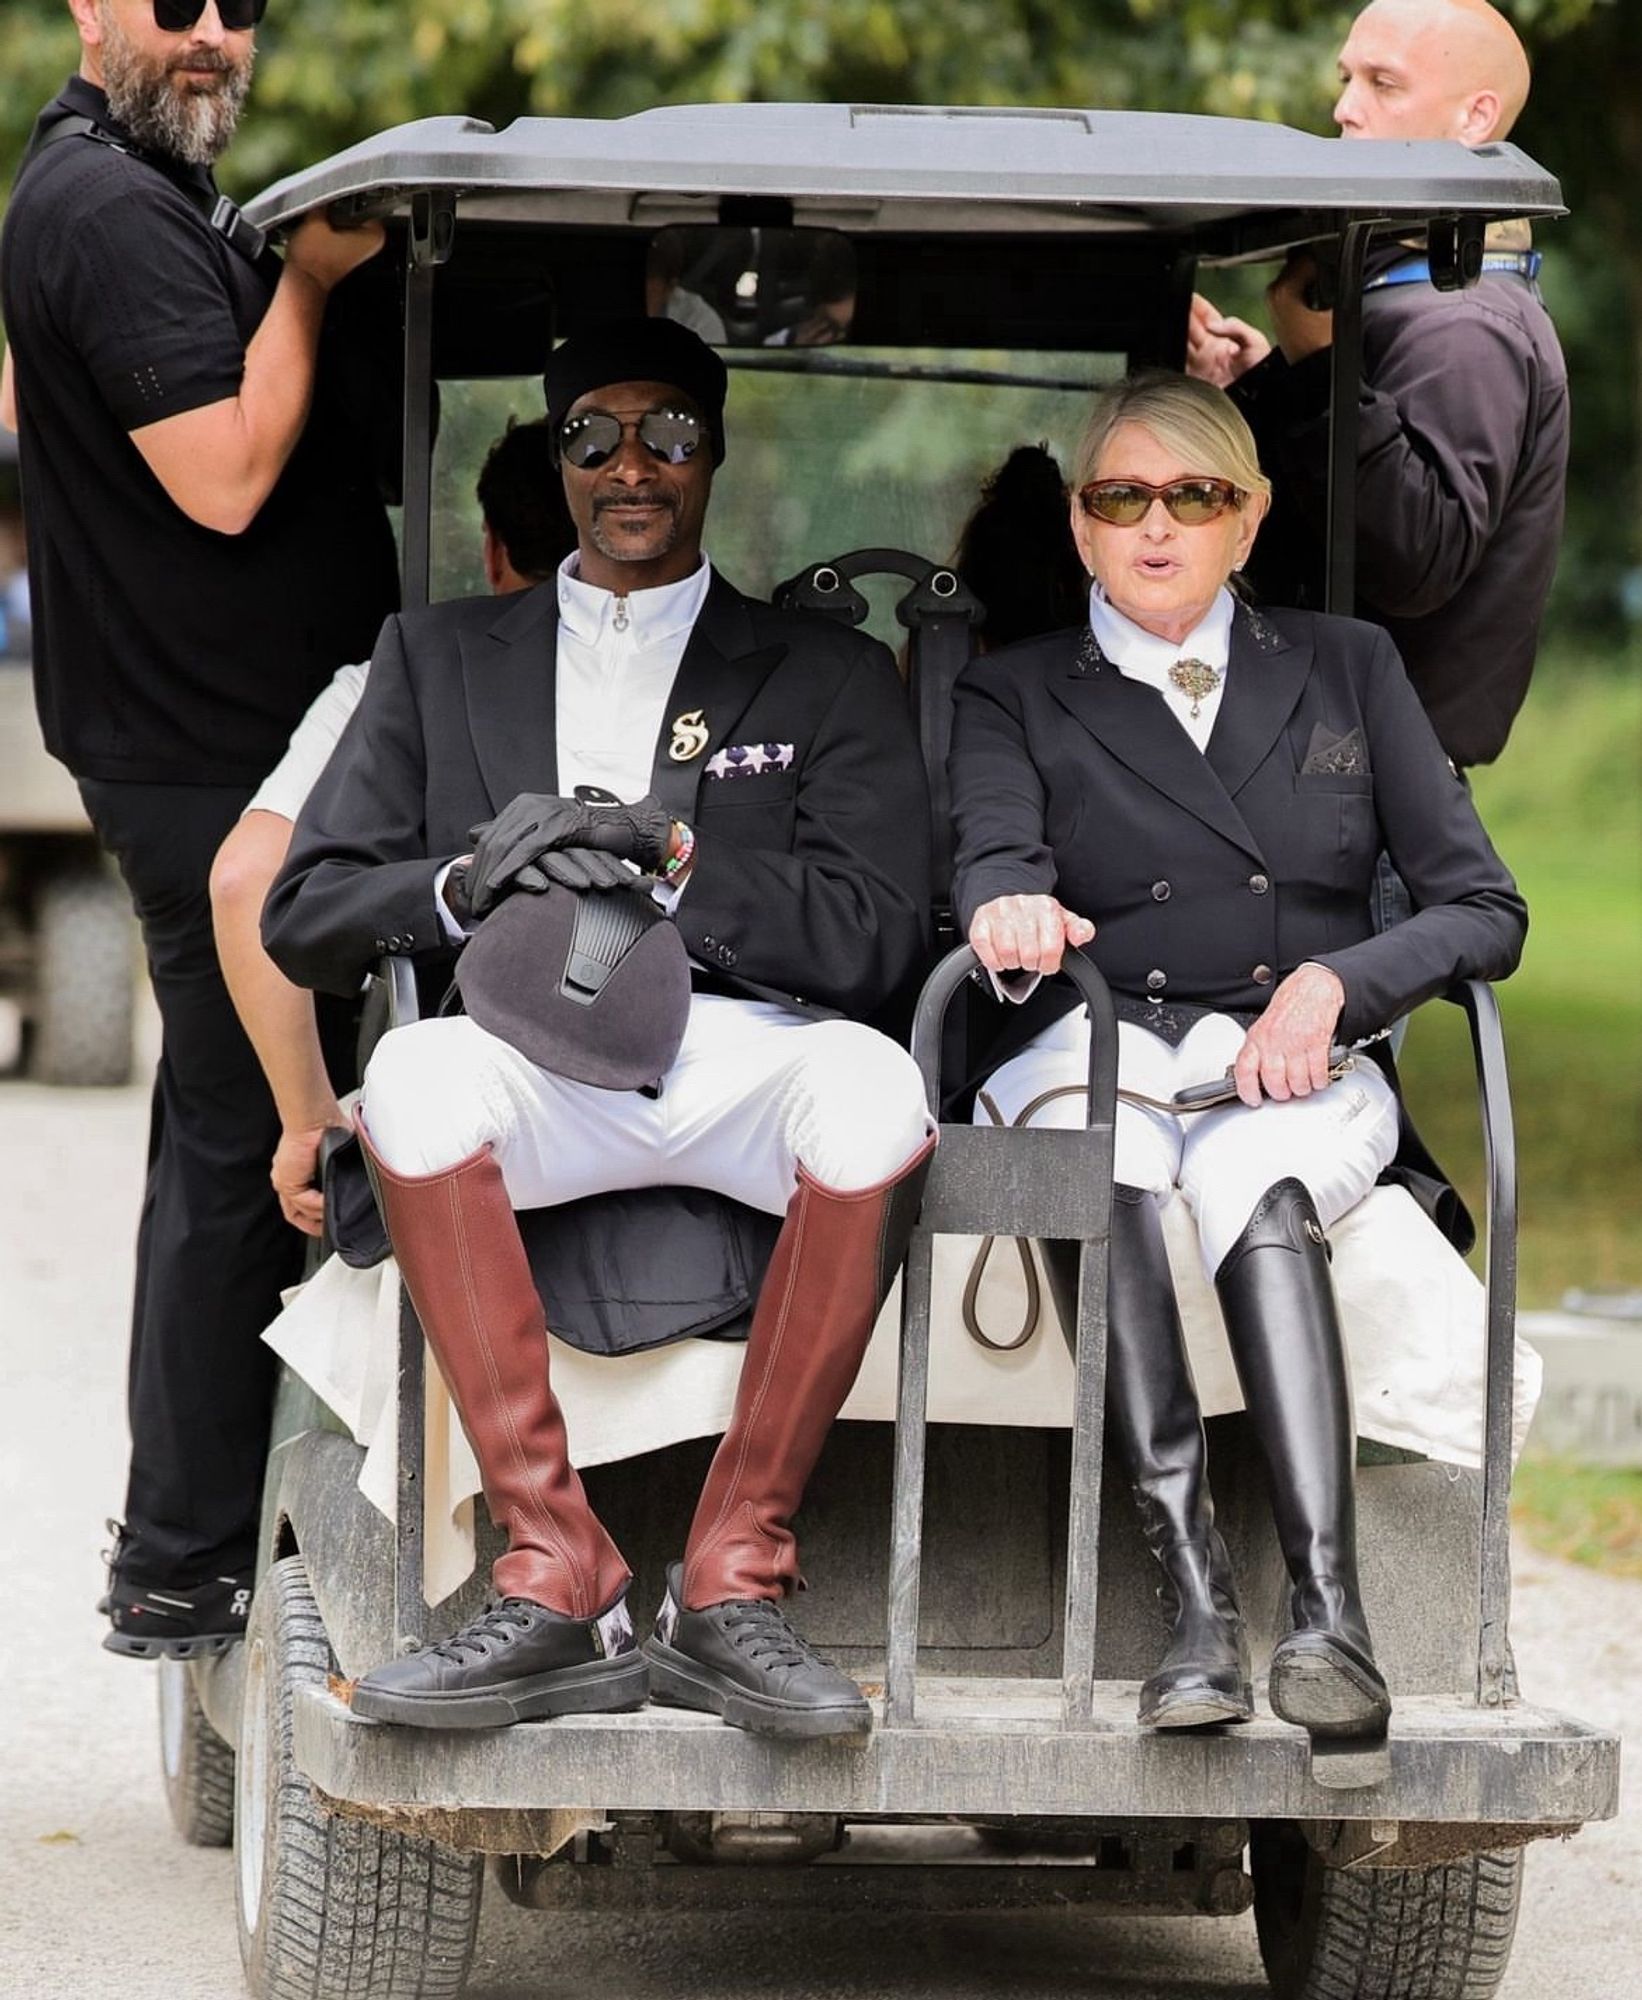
(1261, 975)
(1156, 980)
(1259, 884)
(379, 944)
(1161, 892)
(709, 941)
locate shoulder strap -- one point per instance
(220, 213)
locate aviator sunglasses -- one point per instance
(593, 437)
(1126, 502)
(173, 16)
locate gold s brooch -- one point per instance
(690, 734)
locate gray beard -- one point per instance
(192, 126)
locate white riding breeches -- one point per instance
(755, 1091)
(1336, 1141)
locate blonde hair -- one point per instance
(1199, 422)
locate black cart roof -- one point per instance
(1223, 186)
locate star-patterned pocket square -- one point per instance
(749, 760)
(1328, 755)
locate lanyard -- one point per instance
(1522, 264)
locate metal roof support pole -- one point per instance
(428, 245)
(1345, 387)
(906, 1545)
(410, 1611)
(1499, 1152)
(906, 1532)
(1089, 1356)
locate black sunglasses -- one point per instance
(1191, 502)
(594, 436)
(173, 16)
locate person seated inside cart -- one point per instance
(1195, 792)
(689, 836)
(526, 534)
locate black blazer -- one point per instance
(811, 883)
(1212, 875)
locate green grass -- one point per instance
(1584, 1513)
(1564, 807)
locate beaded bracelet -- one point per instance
(676, 864)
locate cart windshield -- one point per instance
(827, 450)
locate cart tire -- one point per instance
(197, 1766)
(330, 1908)
(84, 980)
(1440, 1933)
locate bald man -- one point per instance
(1463, 441)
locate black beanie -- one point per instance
(637, 350)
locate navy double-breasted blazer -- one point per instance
(1210, 875)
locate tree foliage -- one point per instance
(333, 71)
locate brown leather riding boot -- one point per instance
(722, 1642)
(834, 1262)
(457, 1242)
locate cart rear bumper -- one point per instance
(979, 1748)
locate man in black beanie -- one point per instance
(634, 726)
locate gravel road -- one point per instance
(99, 1899)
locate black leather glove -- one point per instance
(576, 868)
(573, 867)
(540, 823)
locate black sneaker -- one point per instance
(514, 1661)
(113, 1558)
(162, 1621)
(742, 1660)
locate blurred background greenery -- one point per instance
(1564, 803)
(332, 71)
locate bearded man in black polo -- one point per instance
(206, 546)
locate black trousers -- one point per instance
(213, 1250)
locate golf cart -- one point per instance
(902, 294)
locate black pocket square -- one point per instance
(1335, 756)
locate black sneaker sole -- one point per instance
(684, 1683)
(602, 1687)
(1316, 1686)
(201, 1646)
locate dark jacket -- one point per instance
(1462, 462)
(811, 883)
(1211, 876)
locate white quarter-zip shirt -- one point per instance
(617, 661)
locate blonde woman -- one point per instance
(1195, 794)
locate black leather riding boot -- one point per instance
(1155, 1418)
(1281, 1318)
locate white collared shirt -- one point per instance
(617, 660)
(1143, 656)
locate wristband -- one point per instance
(676, 864)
